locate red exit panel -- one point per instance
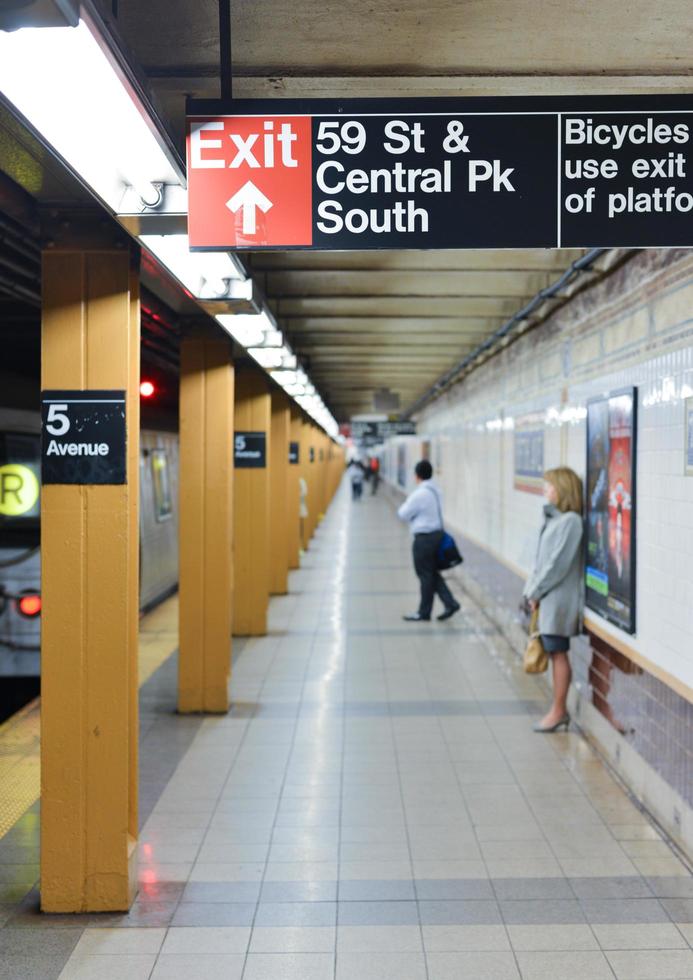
(249, 181)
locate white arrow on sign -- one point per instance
(249, 197)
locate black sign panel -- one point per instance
(371, 433)
(83, 437)
(249, 450)
(294, 452)
(312, 454)
(543, 172)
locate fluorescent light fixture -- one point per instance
(273, 338)
(244, 327)
(284, 378)
(266, 357)
(204, 274)
(249, 329)
(68, 85)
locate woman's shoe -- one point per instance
(563, 723)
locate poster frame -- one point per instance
(632, 391)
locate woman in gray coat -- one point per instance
(556, 584)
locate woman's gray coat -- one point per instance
(557, 580)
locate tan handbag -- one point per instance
(536, 659)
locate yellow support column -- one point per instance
(322, 456)
(252, 511)
(314, 479)
(89, 572)
(293, 521)
(279, 491)
(205, 523)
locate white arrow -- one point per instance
(249, 197)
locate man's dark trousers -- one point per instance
(432, 582)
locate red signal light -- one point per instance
(147, 389)
(29, 605)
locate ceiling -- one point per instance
(363, 321)
(368, 320)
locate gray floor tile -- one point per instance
(455, 939)
(217, 940)
(561, 966)
(479, 965)
(296, 914)
(30, 967)
(611, 887)
(299, 891)
(289, 966)
(199, 967)
(453, 889)
(378, 913)
(627, 910)
(662, 964)
(381, 966)
(662, 935)
(548, 938)
(382, 891)
(221, 891)
(43, 941)
(213, 914)
(459, 913)
(531, 888)
(678, 909)
(293, 939)
(542, 911)
(671, 887)
(134, 967)
(379, 939)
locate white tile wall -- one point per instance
(640, 332)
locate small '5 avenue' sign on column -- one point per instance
(83, 437)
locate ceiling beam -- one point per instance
(459, 260)
(395, 306)
(281, 285)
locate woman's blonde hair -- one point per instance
(568, 487)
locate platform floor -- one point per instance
(376, 807)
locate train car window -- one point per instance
(163, 504)
(20, 475)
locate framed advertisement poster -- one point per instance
(528, 453)
(611, 495)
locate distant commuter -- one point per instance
(356, 476)
(555, 586)
(375, 474)
(423, 510)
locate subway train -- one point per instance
(20, 529)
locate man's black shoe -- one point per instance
(417, 618)
(449, 612)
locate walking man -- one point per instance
(423, 510)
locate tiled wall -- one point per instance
(635, 328)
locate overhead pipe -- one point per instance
(580, 265)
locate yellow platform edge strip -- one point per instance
(20, 735)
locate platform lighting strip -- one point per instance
(205, 275)
(70, 88)
(259, 334)
(106, 135)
